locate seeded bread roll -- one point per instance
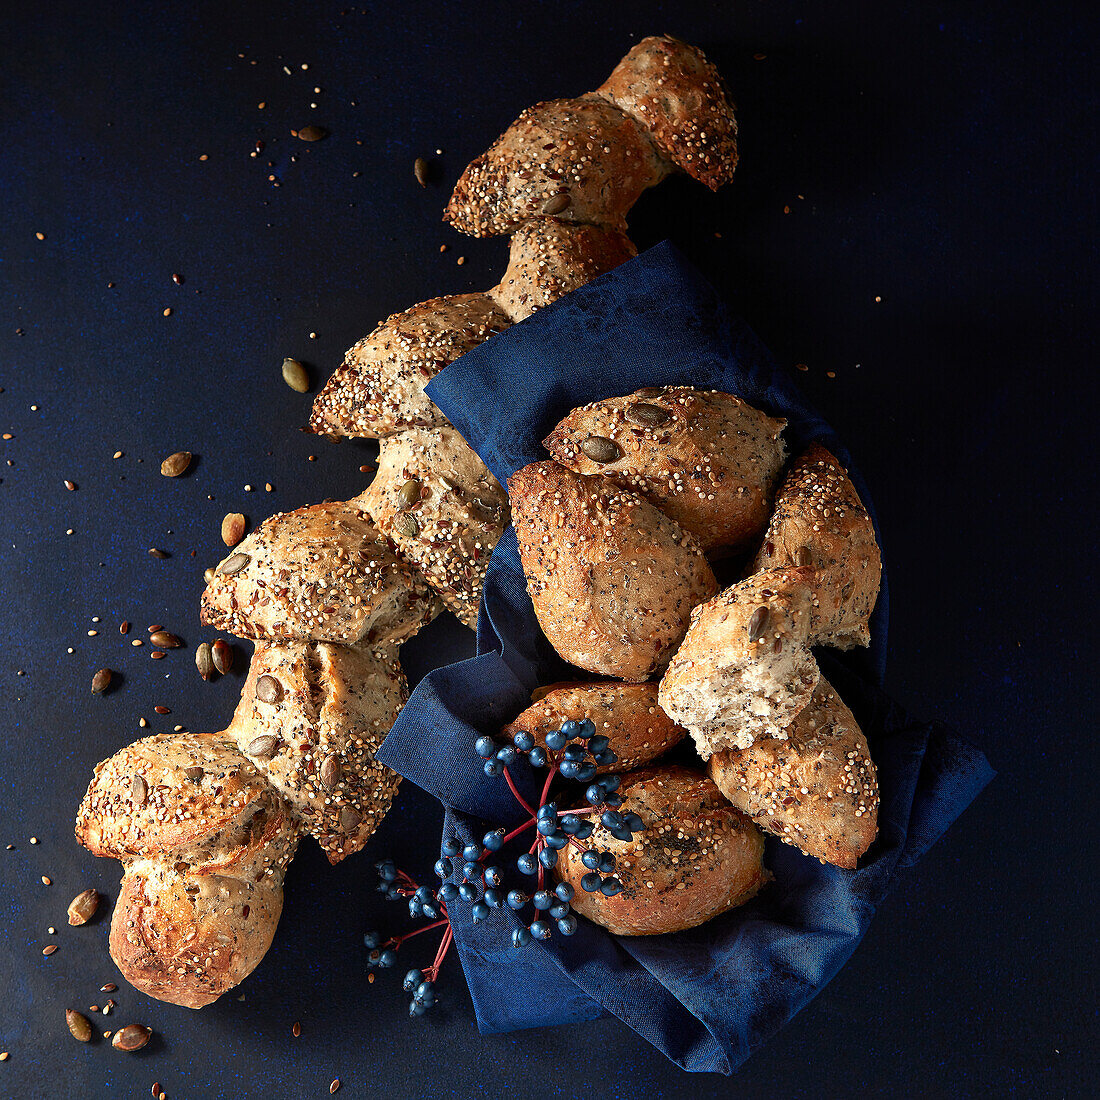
(612, 579)
(437, 502)
(311, 717)
(816, 789)
(323, 574)
(707, 459)
(745, 669)
(697, 857)
(627, 714)
(379, 388)
(820, 521)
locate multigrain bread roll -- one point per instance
(707, 459)
(745, 669)
(436, 501)
(697, 857)
(627, 714)
(819, 521)
(816, 789)
(310, 718)
(612, 579)
(322, 573)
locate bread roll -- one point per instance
(612, 579)
(696, 858)
(627, 714)
(816, 789)
(820, 521)
(745, 669)
(707, 459)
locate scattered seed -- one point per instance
(165, 640)
(131, 1037)
(221, 652)
(82, 908)
(49, 949)
(163, 710)
(157, 654)
(420, 170)
(556, 203)
(80, 1027)
(69, 485)
(410, 493)
(334, 1086)
(295, 375)
(204, 661)
(758, 623)
(641, 412)
(233, 526)
(296, 1030)
(263, 746)
(4, 1055)
(268, 689)
(139, 791)
(34, 840)
(101, 681)
(194, 774)
(157, 553)
(208, 574)
(407, 525)
(600, 449)
(110, 987)
(331, 771)
(312, 133)
(175, 464)
(233, 564)
(177, 279)
(124, 627)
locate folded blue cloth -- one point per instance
(710, 996)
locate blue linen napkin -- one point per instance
(710, 996)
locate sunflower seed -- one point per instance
(556, 203)
(641, 412)
(131, 1037)
(263, 746)
(203, 660)
(410, 493)
(420, 170)
(80, 1027)
(176, 464)
(600, 449)
(407, 525)
(312, 133)
(208, 574)
(331, 771)
(335, 1085)
(139, 791)
(233, 526)
(804, 556)
(221, 653)
(82, 908)
(164, 640)
(758, 623)
(268, 689)
(233, 564)
(101, 681)
(295, 375)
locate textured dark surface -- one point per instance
(944, 159)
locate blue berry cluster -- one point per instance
(573, 761)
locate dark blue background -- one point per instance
(945, 162)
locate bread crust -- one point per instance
(438, 503)
(627, 714)
(612, 579)
(820, 521)
(322, 573)
(745, 669)
(816, 789)
(314, 738)
(707, 459)
(697, 857)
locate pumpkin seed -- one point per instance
(295, 375)
(101, 681)
(139, 791)
(331, 771)
(221, 653)
(407, 525)
(556, 203)
(82, 908)
(349, 819)
(164, 640)
(80, 1027)
(409, 493)
(804, 556)
(263, 746)
(176, 464)
(233, 526)
(758, 623)
(131, 1037)
(420, 171)
(268, 689)
(600, 449)
(194, 774)
(312, 133)
(233, 564)
(641, 412)
(203, 660)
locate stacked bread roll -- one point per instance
(205, 825)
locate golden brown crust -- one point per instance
(697, 857)
(707, 459)
(322, 573)
(678, 96)
(313, 730)
(579, 160)
(612, 579)
(816, 789)
(627, 714)
(820, 521)
(379, 388)
(548, 258)
(745, 668)
(437, 502)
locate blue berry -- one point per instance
(594, 795)
(569, 728)
(598, 743)
(387, 872)
(547, 825)
(555, 740)
(633, 822)
(591, 859)
(415, 1009)
(494, 899)
(606, 758)
(537, 756)
(548, 857)
(610, 783)
(494, 840)
(556, 840)
(493, 877)
(607, 863)
(564, 891)
(493, 768)
(412, 980)
(393, 892)
(521, 937)
(517, 899)
(611, 819)
(569, 824)
(414, 908)
(468, 891)
(569, 769)
(447, 892)
(574, 752)
(480, 911)
(613, 800)
(372, 940)
(485, 747)
(423, 894)
(560, 909)
(527, 864)
(547, 810)
(567, 925)
(622, 833)
(586, 729)
(471, 852)
(425, 995)
(543, 899)
(471, 871)
(610, 887)
(585, 772)
(590, 883)
(451, 846)
(523, 741)
(388, 958)
(429, 910)
(506, 755)
(444, 867)
(541, 930)
(585, 829)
